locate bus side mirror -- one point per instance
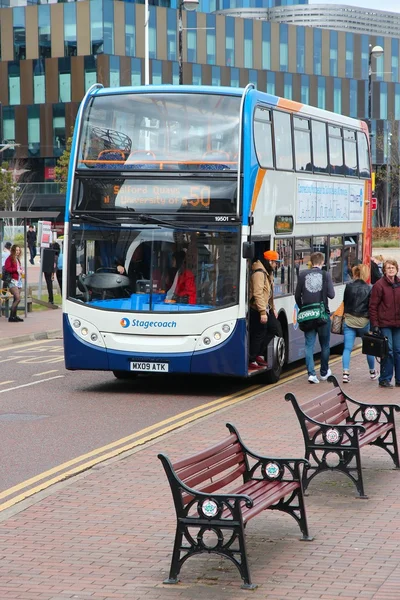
(248, 250)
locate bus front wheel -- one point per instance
(273, 375)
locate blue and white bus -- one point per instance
(215, 175)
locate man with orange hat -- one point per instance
(264, 324)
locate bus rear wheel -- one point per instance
(273, 375)
(124, 375)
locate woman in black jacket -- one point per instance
(356, 317)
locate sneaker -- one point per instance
(313, 379)
(373, 375)
(325, 377)
(261, 361)
(346, 377)
(253, 366)
(19, 319)
(386, 384)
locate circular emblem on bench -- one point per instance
(272, 470)
(370, 413)
(209, 508)
(332, 436)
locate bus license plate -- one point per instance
(148, 367)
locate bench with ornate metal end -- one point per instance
(335, 427)
(205, 502)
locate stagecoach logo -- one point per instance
(332, 436)
(272, 470)
(209, 508)
(124, 323)
(370, 413)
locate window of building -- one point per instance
(349, 55)
(210, 39)
(395, 59)
(34, 130)
(283, 47)
(248, 43)
(234, 77)
(64, 79)
(70, 39)
(14, 83)
(364, 56)
(300, 49)
(397, 102)
(266, 45)
(191, 38)
(171, 34)
(263, 137)
(44, 31)
(302, 253)
(114, 71)
(19, 33)
(288, 86)
(319, 146)
(156, 72)
(337, 95)
(283, 140)
(130, 29)
(305, 89)
(271, 82)
(58, 129)
(96, 26)
(108, 12)
(383, 100)
(175, 73)
(333, 53)
(196, 75)
(253, 76)
(335, 150)
(379, 62)
(284, 271)
(317, 33)
(90, 68)
(8, 125)
(321, 92)
(215, 75)
(353, 98)
(350, 152)
(136, 71)
(39, 81)
(152, 32)
(302, 144)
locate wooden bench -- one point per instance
(335, 424)
(203, 503)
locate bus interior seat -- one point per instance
(135, 158)
(110, 159)
(215, 155)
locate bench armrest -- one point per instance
(285, 465)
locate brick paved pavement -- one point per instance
(108, 533)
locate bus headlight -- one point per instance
(214, 335)
(86, 331)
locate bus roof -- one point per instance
(275, 101)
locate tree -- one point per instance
(62, 165)
(7, 188)
(387, 186)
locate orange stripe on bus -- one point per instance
(290, 105)
(257, 187)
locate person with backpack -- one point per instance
(315, 286)
(264, 325)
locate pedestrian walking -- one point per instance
(315, 286)
(376, 267)
(14, 272)
(6, 253)
(384, 313)
(264, 325)
(49, 269)
(31, 240)
(356, 317)
(59, 264)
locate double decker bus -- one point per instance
(172, 191)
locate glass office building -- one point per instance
(51, 53)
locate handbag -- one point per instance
(337, 320)
(375, 344)
(312, 316)
(6, 278)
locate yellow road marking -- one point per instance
(45, 373)
(5, 382)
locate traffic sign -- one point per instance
(374, 203)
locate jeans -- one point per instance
(350, 334)
(392, 361)
(32, 250)
(324, 336)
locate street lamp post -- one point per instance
(189, 5)
(375, 52)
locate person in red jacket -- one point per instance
(13, 268)
(183, 288)
(384, 314)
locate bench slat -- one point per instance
(217, 485)
(195, 468)
(195, 458)
(220, 468)
(374, 430)
(269, 494)
(326, 397)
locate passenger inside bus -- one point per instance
(183, 288)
